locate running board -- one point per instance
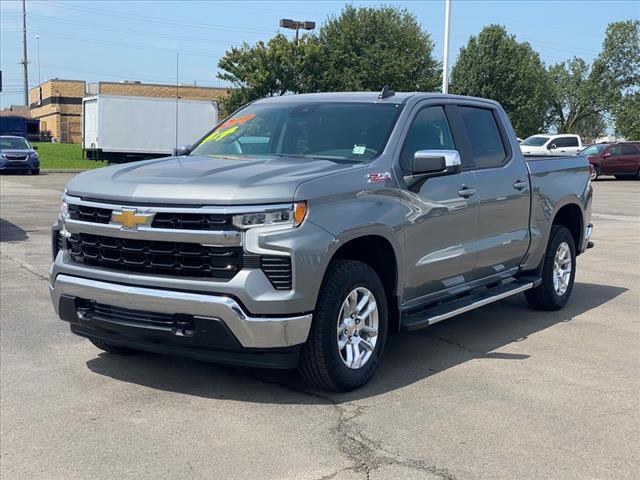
(425, 317)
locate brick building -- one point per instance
(58, 103)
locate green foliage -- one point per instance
(575, 95)
(280, 66)
(627, 113)
(581, 95)
(494, 65)
(362, 49)
(366, 48)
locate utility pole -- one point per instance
(445, 63)
(25, 62)
(38, 50)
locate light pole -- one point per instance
(25, 62)
(445, 63)
(38, 54)
(297, 25)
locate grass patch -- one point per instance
(64, 156)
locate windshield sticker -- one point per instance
(228, 127)
(379, 177)
(359, 149)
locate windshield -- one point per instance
(13, 143)
(338, 131)
(535, 141)
(592, 150)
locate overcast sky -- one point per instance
(137, 40)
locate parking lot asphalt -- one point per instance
(503, 392)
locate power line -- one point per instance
(163, 20)
(93, 25)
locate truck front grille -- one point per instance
(155, 257)
(192, 221)
(85, 213)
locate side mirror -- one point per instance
(181, 150)
(553, 146)
(35, 147)
(433, 163)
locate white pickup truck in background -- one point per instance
(552, 145)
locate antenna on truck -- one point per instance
(386, 92)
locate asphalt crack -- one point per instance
(25, 266)
(365, 454)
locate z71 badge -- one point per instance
(379, 177)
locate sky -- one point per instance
(137, 40)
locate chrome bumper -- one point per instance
(251, 332)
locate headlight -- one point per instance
(293, 216)
(33, 156)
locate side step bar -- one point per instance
(416, 320)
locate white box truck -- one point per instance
(126, 128)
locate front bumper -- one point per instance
(19, 166)
(221, 330)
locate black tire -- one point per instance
(596, 172)
(107, 347)
(35, 171)
(544, 296)
(321, 363)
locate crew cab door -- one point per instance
(564, 146)
(502, 191)
(442, 210)
(620, 160)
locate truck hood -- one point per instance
(203, 180)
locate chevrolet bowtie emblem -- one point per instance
(130, 218)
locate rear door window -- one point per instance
(629, 150)
(485, 141)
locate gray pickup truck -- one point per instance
(305, 229)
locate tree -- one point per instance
(619, 69)
(576, 95)
(367, 48)
(581, 97)
(494, 65)
(280, 66)
(627, 114)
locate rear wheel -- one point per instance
(349, 328)
(558, 272)
(107, 347)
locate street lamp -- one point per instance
(297, 25)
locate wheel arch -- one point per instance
(379, 253)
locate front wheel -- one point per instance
(349, 328)
(558, 272)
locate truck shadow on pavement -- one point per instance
(10, 232)
(409, 357)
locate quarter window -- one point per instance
(484, 137)
(429, 130)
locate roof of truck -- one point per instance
(373, 97)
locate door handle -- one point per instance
(520, 185)
(466, 192)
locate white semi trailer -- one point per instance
(126, 128)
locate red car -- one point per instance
(619, 159)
